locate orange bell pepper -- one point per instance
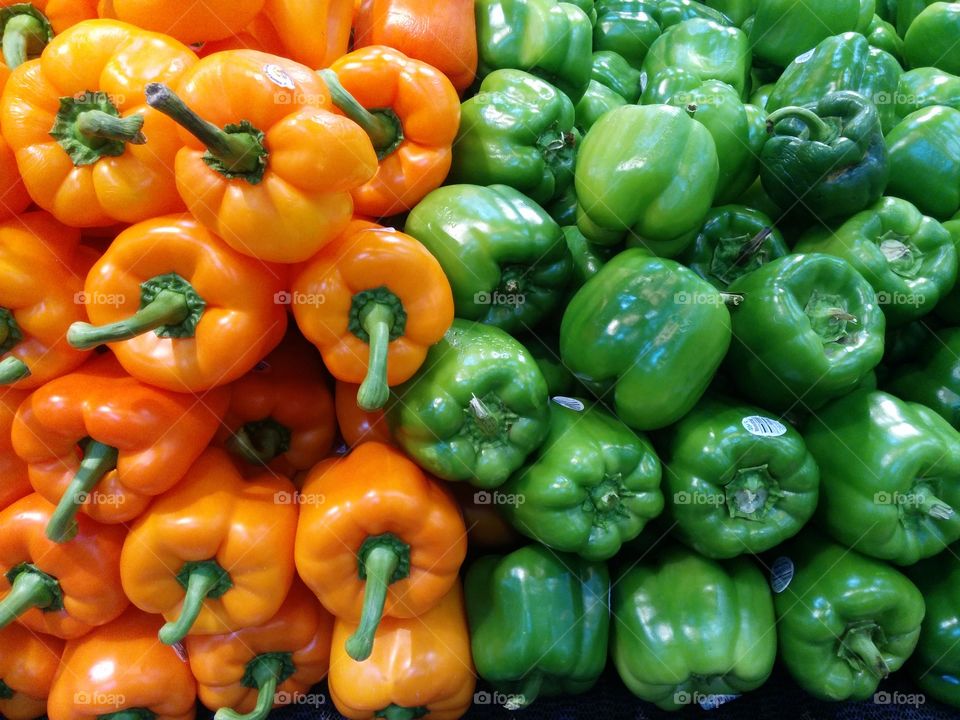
(28, 662)
(411, 113)
(62, 590)
(13, 198)
(356, 424)
(419, 666)
(138, 441)
(188, 22)
(377, 538)
(312, 32)
(27, 27)
(258, 668)
(120, 671)
(281, 413)
(187, 312)
(215, 553)
(43, 267)
(275, 182)
(441, 34)
(373, 301)
(78, 124)
(13, 471)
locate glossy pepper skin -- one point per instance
(734, 240)
(184, 301)
(783, 29)
(637, 321)
(13, 470)
(596, 101)
(611, 70)
(881, 34)
(736, 10)
(539, 622)
(927, 41)
(475, 410)
(44, 266)
(384, 540)
(503, 255)
(924, 87)
(121, 667)
(210, 20)
(809, 330)
(587, 258)
(925, 162)
(215, 553)
(591, 486)
(649, 171)
(906, 11)
(262, 161)
(932, 378)
(888, 471)
(518, 131)
(356, 424)
(419, 666)
(373, 301)
(28, 663)
(15, 198)
(828, 160)
(89, 149)
(246, 673)
(845, 621)
(61, 14)
(841, 62)
(281, 413)
(935, 662)
(444, 35)
(907, 257)
(61, 590)
(669, 651)
(737, 481)
(547, 38)
(411, 112)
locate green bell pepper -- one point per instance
(761, 96)
(563, 209)
(539, 622)
(475, 409)
(907, 257)
(588, 7)
(948, 309)
(545, 350)
(592, 486)
(925, 161)
(733, 241)
(737, 480)
(587, 257)
(933, 380)
(783, 29)
(931, 40)
(842, 62)
(504, 256)
(809, 330)
(517, 131)
(651, 331)
(887, 9)
(737, 10)
(596, 102)
(935, 664)
(704, 48)
(738, 132)
(827, 159)
(610, 69)
(649, 170)
(889, 476)
(691, 630)
(925, 87)
(907, 11)
(881, 34)
(845, 621)
(550, 39)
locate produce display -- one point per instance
(411, 359)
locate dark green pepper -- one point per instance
(828, 159)
(844, 621)
(925, 161)
(809, 330)
(691, 630)
(563, 209)
(925, 87)
(931, 40)
(518, 131)
(649, 330)
(475, 409)
(587, 257)
(733, 241)
(783, 29)
(539, 622)
(545, 350)
(889, 476)
(611, 70)
(933, 379)
(504, 256)
(935, 664)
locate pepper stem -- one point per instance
(168, 308)
(266, 677)
(202, 580)
(820, 131)
(380, 564)
(98, 124)
(12, 369)
(861, 646)
(382, 126)
(929, 504)
(29, 589)
(485, 420)
(23, 36)
(398, 712)
(377, 320)
(732, 299)
(98, 460)
(260, 441)
(530, 689)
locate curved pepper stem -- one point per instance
(265, 676)
(377, 320)
(820, 131)
(98, 460)
(201, 580)
(382, 560)
(12, 369)
(24, 36)
(31, 588)
(168, 308)
(382, 126)
(860, 644)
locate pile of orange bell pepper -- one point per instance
(202, 313)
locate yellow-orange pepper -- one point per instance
(356, 424)
(373, 301)
(13, 470)
(14, 198)
(27, 27)
(189, 22)
(28, 662)
(266, 166)
(419, 667)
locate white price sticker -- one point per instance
(763, 426)
(569, 403)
